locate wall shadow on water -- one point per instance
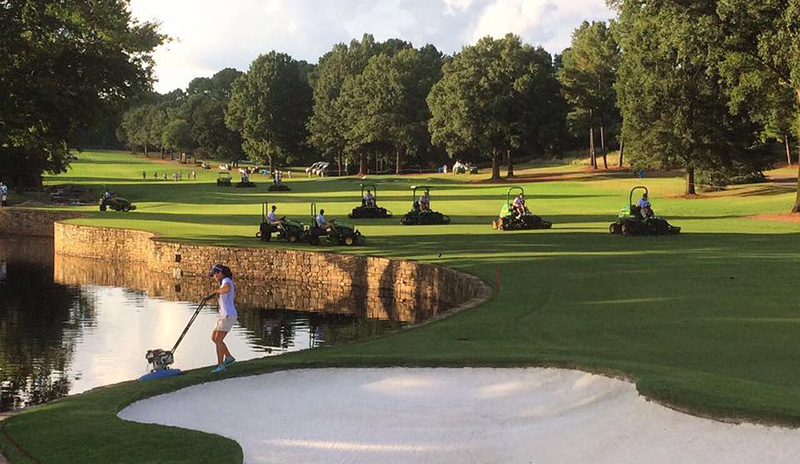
(36, 315)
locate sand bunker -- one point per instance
(456, 416)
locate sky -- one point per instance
(209, 35)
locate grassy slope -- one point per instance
(706, 320)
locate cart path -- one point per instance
(456, 415)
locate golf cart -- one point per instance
(511, 220)
(369, 210)
(418, 217)
(631, 221)
(115, 202)
(343, 235)
(292, 231)
(224, 179)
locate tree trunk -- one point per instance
(270, 163)
(145, 151)
(510, 172)
(621, 151)
(377, 164)
(362, 165)
(592, 152)
(690, 190)
(339, 164)
(397, 163)
(495, 165)
(788, 149)
(796, 208)
(603, 146)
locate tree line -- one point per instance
(707, 87)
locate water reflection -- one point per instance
(68, 325)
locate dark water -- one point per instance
(69, 325)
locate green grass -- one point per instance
(706, 321)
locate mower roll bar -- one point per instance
(415, 187)
(374, 189)
(638, 187)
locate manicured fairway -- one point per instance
(707, 320)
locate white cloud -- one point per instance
(211, 35)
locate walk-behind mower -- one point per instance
(290, 230)
(513, 220)
(339, 234)
(369, 208)
(631, 221)
(116, 203)
(419, 217)
(160, 360)
(224, 179)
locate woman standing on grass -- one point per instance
(227, 314)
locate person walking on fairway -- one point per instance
(227, 314)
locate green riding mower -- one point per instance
(116, 203)
(224, 179)
(279, 188)
(339, 234)
(369, 208)
(513, 220)
(418, 216)
(631, 221)
(288, 229)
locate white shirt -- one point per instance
(271, 216)
(320, 220)
(226, 307)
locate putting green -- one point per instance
(706, 320)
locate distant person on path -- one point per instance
(155, 175)
(165, 176)
(227, 314)
(144, 175)
(645, 208)
(3, 194)
(194, 175)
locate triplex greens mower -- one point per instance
(512, 220)
(340, 234)
(116, 203)
(160, 360)
(290, 230)
(631, 221)
(369, 208)
(419, 216)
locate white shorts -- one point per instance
(224, 323)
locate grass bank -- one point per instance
(706, 320)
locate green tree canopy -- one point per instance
(62, 64)
(270, 106)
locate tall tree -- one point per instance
(328, 129)
(762, 38)
(62, 64)
(270, 106)
(588, 74)
(483, 102)
(675, 110)
(385, 104)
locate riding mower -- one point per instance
(631, 221)
(418, 217)
(342, 235)
(224, 179)
(245, 182)
(511, 220)
(369, 210)
(116, 203)
(290, 230)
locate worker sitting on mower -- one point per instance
(107, 195)
(273, 219)
(519, 205)
(323, 224)
(425, 202)
(369, 200)
(645, 208)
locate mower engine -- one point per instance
(159, 359)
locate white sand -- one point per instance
(400, 415)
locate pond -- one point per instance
(68, 325)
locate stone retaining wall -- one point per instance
(29, 222)
(292, 279)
